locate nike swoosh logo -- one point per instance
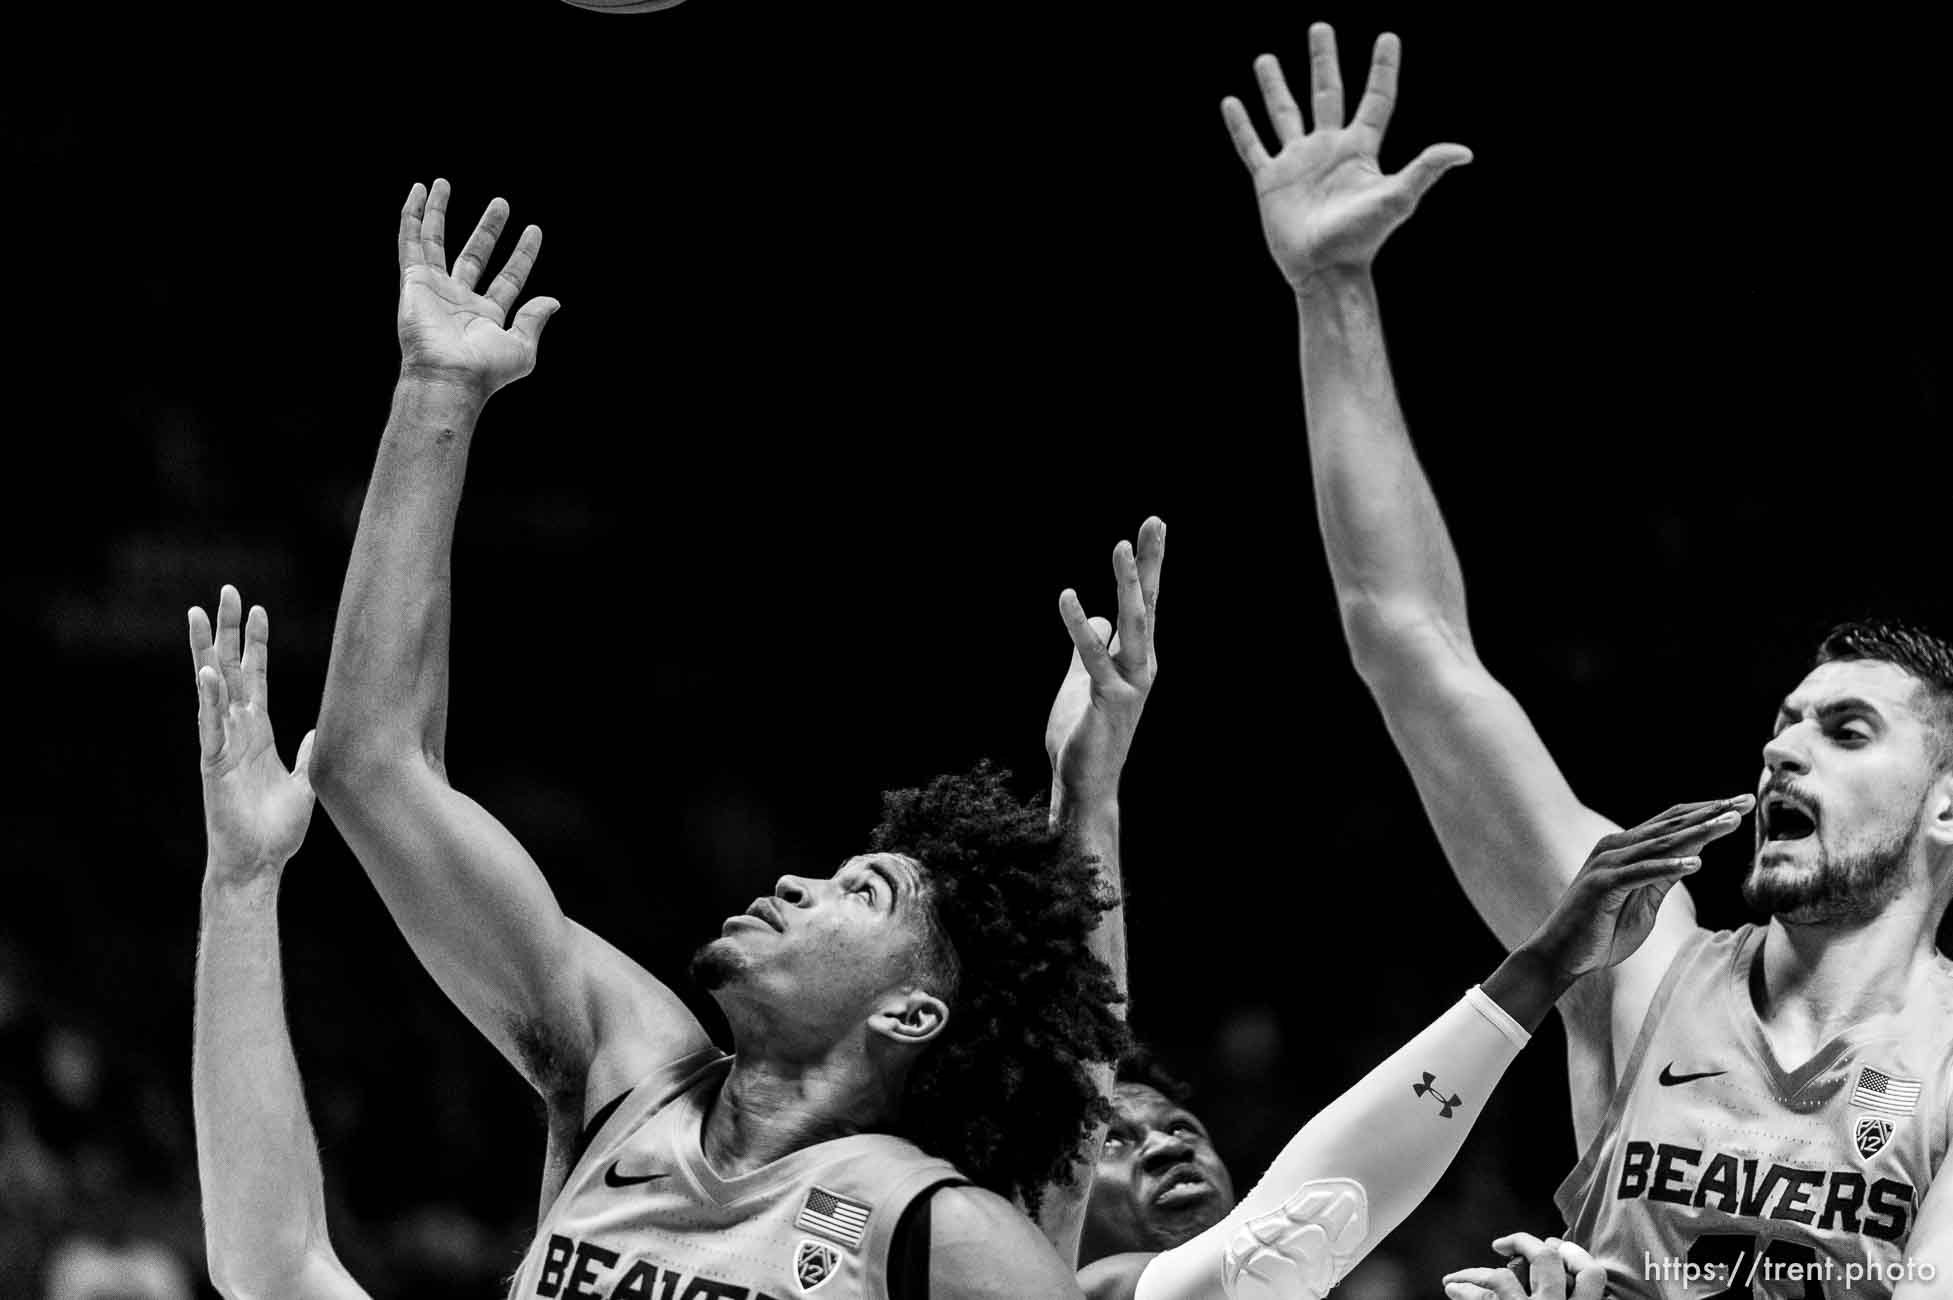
(612, 1179)
(1669, 1078)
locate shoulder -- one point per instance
(981, 1247)
(640, 1027)
(1116, 1277)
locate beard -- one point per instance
(716, 965)
(1853, 886)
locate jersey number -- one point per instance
(1783, 1270)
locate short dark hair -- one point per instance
(1005, 1092)
(1903, 645)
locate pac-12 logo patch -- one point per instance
(814, 1262)
(1871, 1135)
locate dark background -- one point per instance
(881, 326)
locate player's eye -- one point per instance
(1185, 1127)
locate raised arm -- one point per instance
(1511, 826)
(1087, 736)
(257, 1162)
(577, 1018)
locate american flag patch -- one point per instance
(835, 1217)
(1881, 1092)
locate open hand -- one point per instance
(1325, 202)
(254, 811)
(448, 331)
(1092, 721)
(1610, 907)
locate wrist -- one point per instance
(227, 879)
(442, 384)
(1074, 801)
(1527, 984)
(1332, 283)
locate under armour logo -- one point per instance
(1428, 1087)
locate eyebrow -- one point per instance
(1831, 709)
(894, 890)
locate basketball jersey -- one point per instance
(1718, 1173)
(642, 1216)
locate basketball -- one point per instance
(624, 6)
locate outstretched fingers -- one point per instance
(474, 258)
(257, 650)
(203, 647)
(1247, 140)
(1275, 96)
(1380, 92)
(534, 315)
(410, 250)
(1325, 78)
(434, 227)
(1135, 634)
(1422, 172)
(1152, 555)
(230, 641)
(302, 765)
(507, 287)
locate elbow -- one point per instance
(346, 768)
(1392, 639)
(237, 1279)
(292, 1267)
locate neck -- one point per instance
(769, 1108)
(1819, 979)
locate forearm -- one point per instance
(1389, 552)
(1092, 822)
(257, 1159)
(386, 686)
(1357, 1169)
(1094, 826)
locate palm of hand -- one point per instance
(446, 327)
(1090, 725)
(255, 810)
(1324, 201)
(1624, 921)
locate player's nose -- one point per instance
(792, 890)
(1164, 1150)
(1782, 753)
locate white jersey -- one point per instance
(1719, 1172)
(642, 1216)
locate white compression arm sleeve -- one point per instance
(1354, 1171)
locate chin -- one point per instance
(1170, 1230)
(717, 964)
(1825, 888)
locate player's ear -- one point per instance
(1939, 809)
(910, 1017)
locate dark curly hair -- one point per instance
(1903, 645)
(1005, 1092)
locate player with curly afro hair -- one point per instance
(1006, 1091)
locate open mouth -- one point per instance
(767, 910)
(1784, 816)
(1182, 1187)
